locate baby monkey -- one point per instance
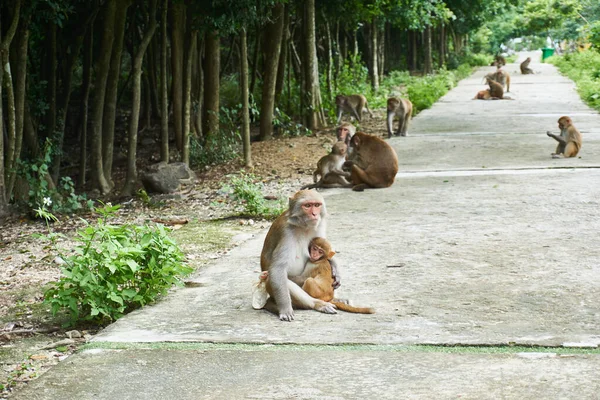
(569, 140)
(329, 168)
(316, 278)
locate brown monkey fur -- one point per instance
(525, 67)
(403, 109)
(498, 61)
(500, 76)
(353, 104)
(317, 278)
(285, 253)
(569, 140)
(372, 162)
(329, 168)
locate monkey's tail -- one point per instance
(352, 309)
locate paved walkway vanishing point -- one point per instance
(484, 239)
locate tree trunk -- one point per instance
(199, 89)
(272, 47)
(20, 92)
(442, 58)
(255, 61)
(177, 50)
(85, 96)
(374, 63)
(283, 56)
(381, 52)
(315, 117)
(427, 57)
(164, 92)
(212, 84)
(412, 39)
(112, 85)
(329, 76)
(191, 40)
(245, 105)
(6, 166)
(99, 181)
(136, 72)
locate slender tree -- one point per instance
(315, 117)
(245, 106)
(136, 72)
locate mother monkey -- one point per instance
(285, 253)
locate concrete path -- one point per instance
(484, 239)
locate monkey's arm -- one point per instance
(335, 274)
(559, 139)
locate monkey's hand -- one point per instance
(335, 274)
(347, 166)
(549, 133)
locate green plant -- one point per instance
(248, 193)
(582, 67)
(115, 269)
(286, 126)
(218, 148)
(59, 199)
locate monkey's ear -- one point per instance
(356, 140)
(331, 254)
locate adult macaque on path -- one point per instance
(569, 141)
(345, 132)
(502, 77)
(353, 104)
(525, 67)
(285, 254)
(329, 168)
(372, 162)
(495, 92)
(403, 109)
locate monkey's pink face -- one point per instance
(312, 210)
(316, 253)
(342, 133)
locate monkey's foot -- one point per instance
(286, 315)
(360, 187)
(325, 307)
(556, 156)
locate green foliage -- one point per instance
(116, 269)
(595, 35)
(584, 69)
(353, 78)
(285, 125)
(218, 149)
(248, 193)
(61, 199)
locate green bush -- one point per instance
(60, 199)
(222, 147)
(248, 193)
(583, 68)
(115, 269)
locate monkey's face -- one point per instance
(312, 210)
(342, 133)
(563, 122)
(316, 253)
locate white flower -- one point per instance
(47, 201)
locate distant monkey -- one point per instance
(569, 141)
(353, 104)
(495, 92)
(317, 276)
(345, 132)
(525, 67)
(329, 168)
(500, 76)
(372, 162)
(498, 61)
(403, 109)
(285, 253)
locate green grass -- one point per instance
(584, 69)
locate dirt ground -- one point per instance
(28, 263)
